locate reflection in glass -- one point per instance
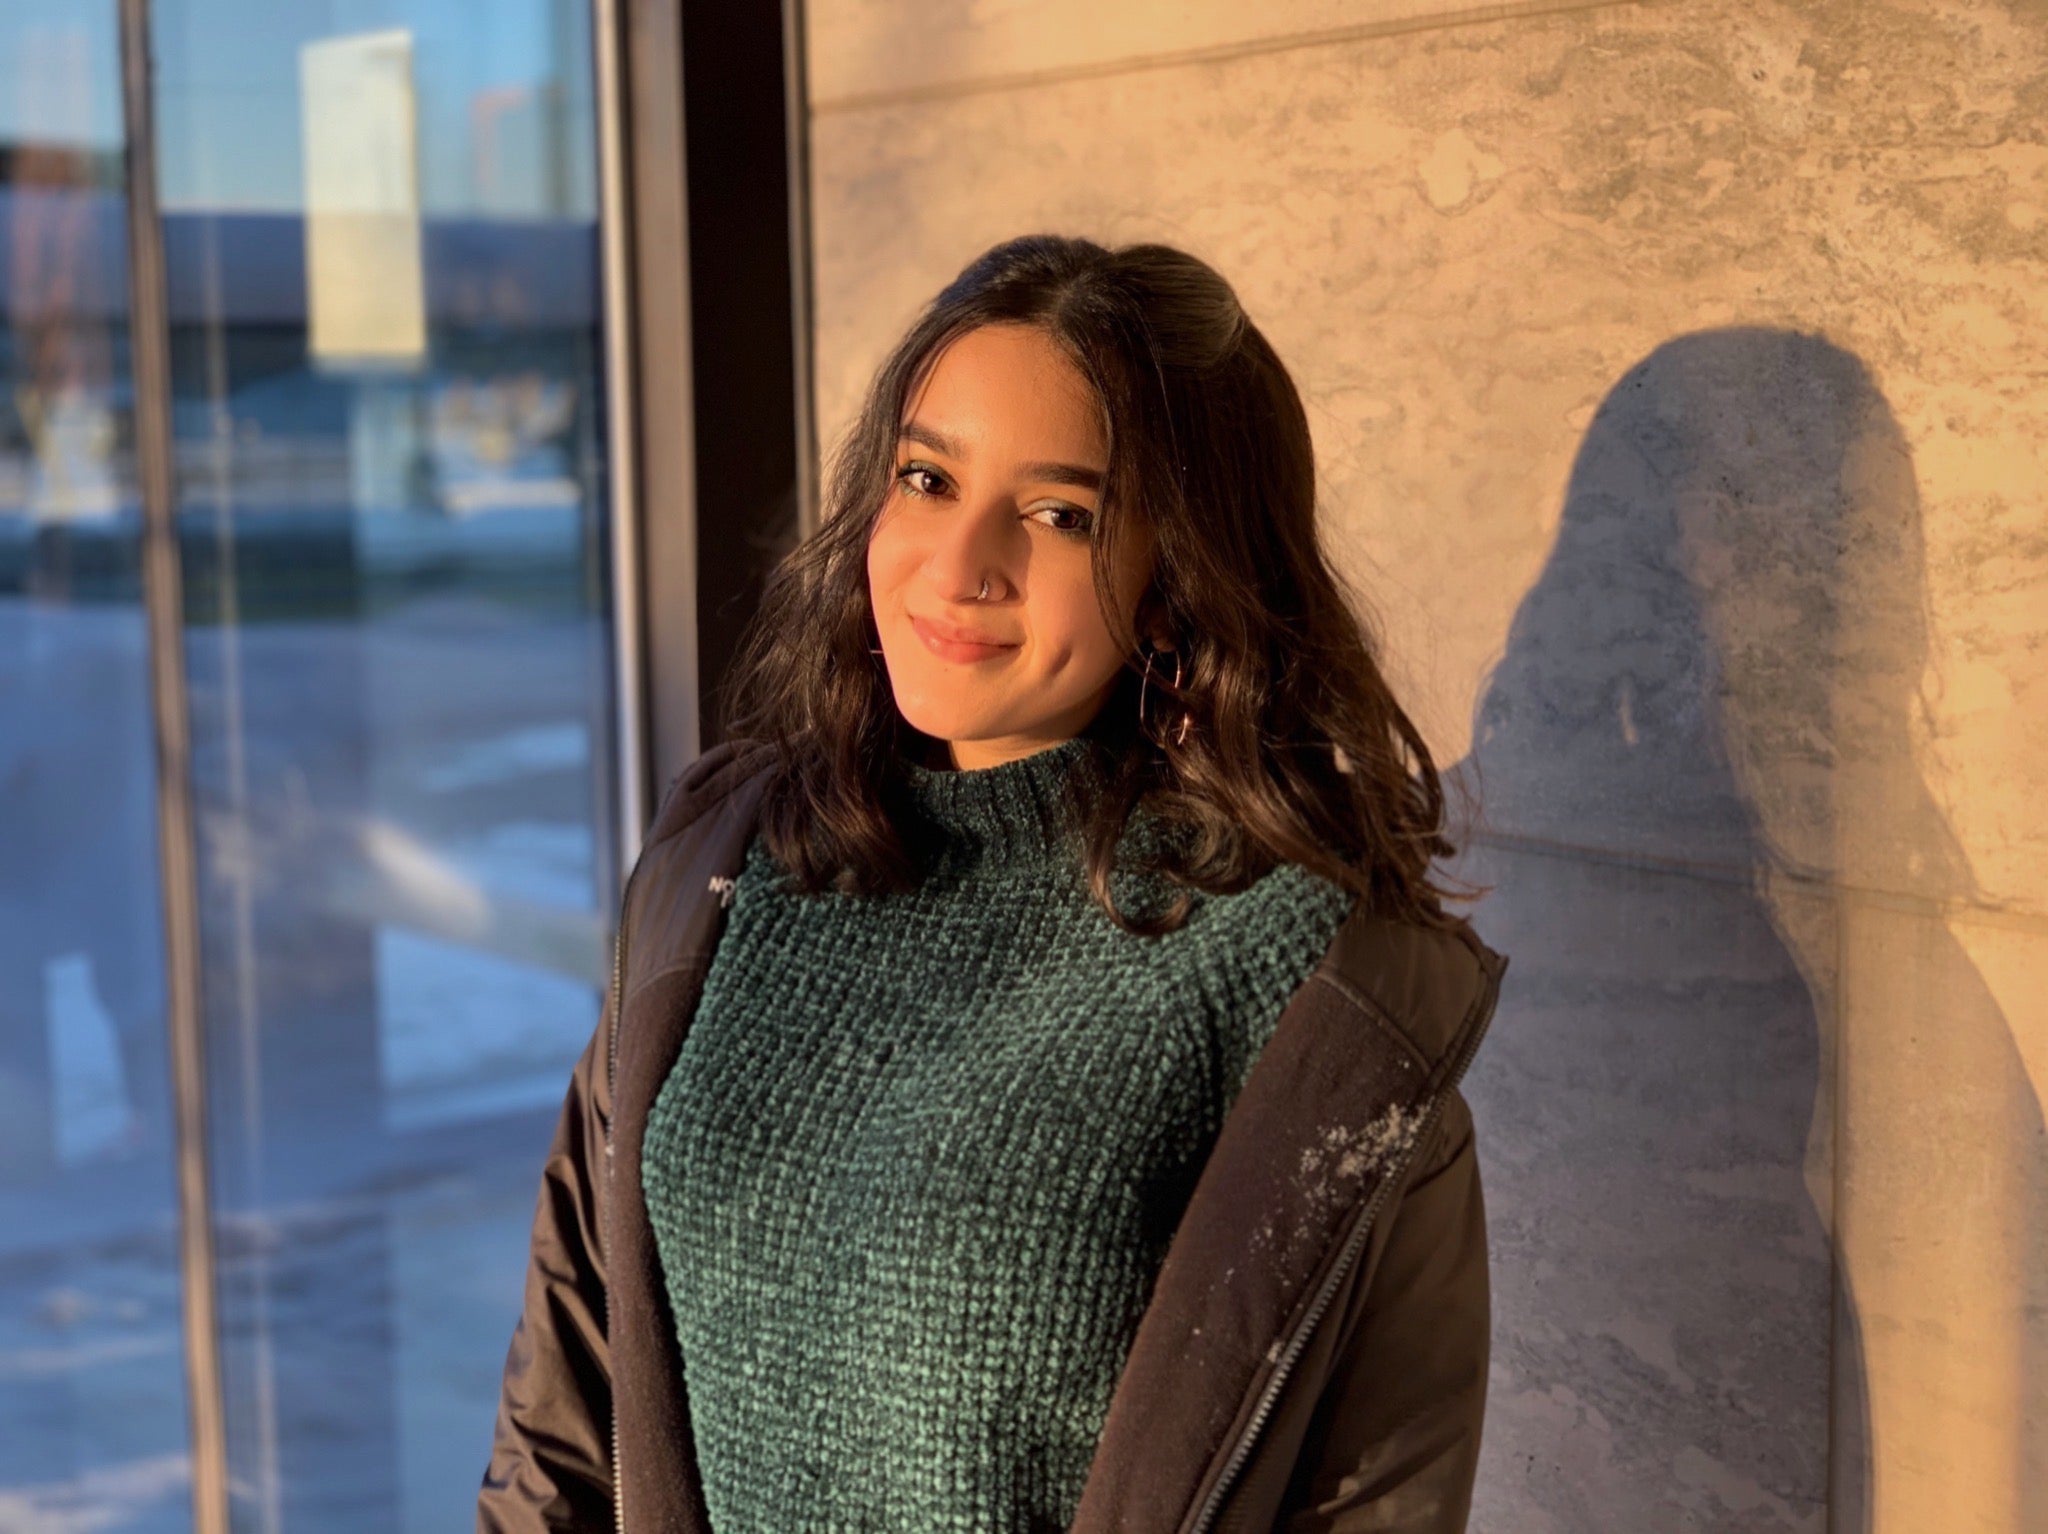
(93, 1430)
(381, 246)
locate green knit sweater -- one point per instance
(920, 1157)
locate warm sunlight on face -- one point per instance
(998, 475)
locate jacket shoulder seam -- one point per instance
(1476, 963)
(702, 785)
(1374, 1013)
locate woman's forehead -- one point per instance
(1008, 389)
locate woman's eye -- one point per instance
(923, 483)
(1082, 524)
(910, 472)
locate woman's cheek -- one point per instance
(887, 557)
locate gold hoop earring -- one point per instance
(1186, 718)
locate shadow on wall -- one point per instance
(1722, 877)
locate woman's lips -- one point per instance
(956, 649)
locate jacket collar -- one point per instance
(1320, 1135)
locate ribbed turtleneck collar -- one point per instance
(1018, 809)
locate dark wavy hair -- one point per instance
(1294, 748)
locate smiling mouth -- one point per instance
(941, 643)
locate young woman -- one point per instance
(1027, 1097)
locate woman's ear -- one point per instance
(1151, 624)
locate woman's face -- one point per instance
(999, 468)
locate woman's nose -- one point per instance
(970, 546)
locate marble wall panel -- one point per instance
(1532, 271)
(857, 51)
(1676, 380)
(1942, 1198)
(1658, 1170)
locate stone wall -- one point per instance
(1677, 375)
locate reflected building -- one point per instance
(391, 497)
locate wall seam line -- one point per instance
(1959, 911)
(1130, 64)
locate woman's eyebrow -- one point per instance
(1049, 473)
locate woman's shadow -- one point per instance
(1763, 1163)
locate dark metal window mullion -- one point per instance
(796, 97)
(163, 597)
(622, 413)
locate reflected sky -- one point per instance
(504, 97)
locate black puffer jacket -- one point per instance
(1314, 1354)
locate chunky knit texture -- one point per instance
(920, 1157)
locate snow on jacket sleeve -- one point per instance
(1393, 1447)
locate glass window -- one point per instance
(382, 260)
(93, 1431)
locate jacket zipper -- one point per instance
(611, 1202)
(1353, 1245)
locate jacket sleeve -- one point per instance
(550, 1464)
(1394, 1441)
